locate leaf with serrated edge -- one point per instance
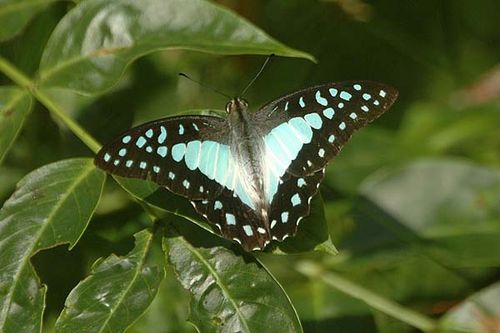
(94, 42)
(15, 104)
(116, 293)
(51, 206)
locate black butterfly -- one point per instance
(251, 174)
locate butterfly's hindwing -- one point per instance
(305, 129)
(185, 154)
(242, 224)
(291, 203)
(234, 220)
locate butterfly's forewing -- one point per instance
(307, 128)
(180, 153)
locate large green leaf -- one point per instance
(116, 294)
(230, 293)
(93, 44)
(51, 206)
(480, 313)
(15, 104)
(15, 14)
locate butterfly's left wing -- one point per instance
(189, 155)
(302, 131)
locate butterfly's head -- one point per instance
(236, 104)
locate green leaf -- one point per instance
(118, 291)
(15, 15)
(15, 104)
(230, 293)
(93, 44)
(453, 203)
(479, 313)
(51, 206)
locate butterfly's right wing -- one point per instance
(189, 155)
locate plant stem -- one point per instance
(24, 82)
(374, 300)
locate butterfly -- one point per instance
(252, 175)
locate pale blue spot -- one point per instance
(320, 99)
(129, 163)
(163, 135)
(162, 151)
(284, 217)
(140, 142)
(365, 108)
(248, 230)
(107, 157)
(196, 127)
(301, 182)
(222, 164)
(376, 102)
(116, 162)
(331, 138)
(366, 96)
(230, 219)
(122, 152)
(301, 102)
(243, 195)
(217, 205)
(345, 96)
(277, 151)
(178, 151)
(284, 133)
(296, 200)
(126, 139)
(171, 175)
(333, 92)
(321, 152)
(357, 87)
(149, 149)
(186, 183)
(286, 106)
(143, 165)
(156, 169)
(193, 154)
(353, 115)
(314, 120)
(382, 93)
(209, 151)
(328, 113)
(342, 126)
(149, 133)
(341, 105)
(301, 128)
(181, 130)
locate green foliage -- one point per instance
(412, 203)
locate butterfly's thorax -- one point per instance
(246, 146)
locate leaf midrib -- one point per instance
(219, 283)
(136, 274)
(78, 180)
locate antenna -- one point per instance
(204, 85)
(258, 74)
